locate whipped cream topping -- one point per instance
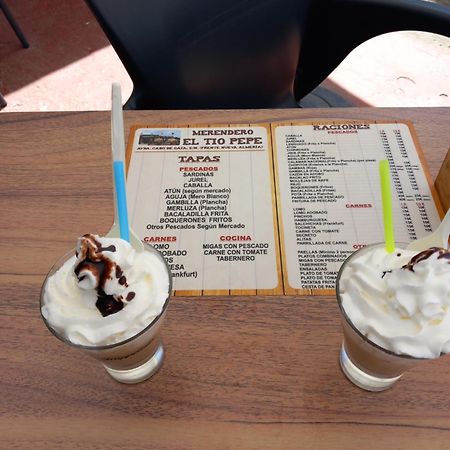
(106, 293)
(401, 300)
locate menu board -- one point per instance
(271, 209)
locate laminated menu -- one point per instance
(272, 209)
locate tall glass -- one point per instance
(365, 363)
(134, 359)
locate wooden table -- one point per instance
(241, 372)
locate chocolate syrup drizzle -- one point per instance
(442, 253)
(102, 268)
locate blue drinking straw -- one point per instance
(118, 153)
(121, 198)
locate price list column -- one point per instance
(417, 213)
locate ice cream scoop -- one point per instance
(400, 300)
(395, 312)
(106, 292)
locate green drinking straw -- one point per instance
(386, 199)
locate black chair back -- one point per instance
(194, 54)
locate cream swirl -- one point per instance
(400, 301)
(106, 293)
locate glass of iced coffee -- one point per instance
(395, 311)
(109, 300)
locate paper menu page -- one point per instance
(271, 208)
(330, 200)
(204, 197)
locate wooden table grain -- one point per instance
(240, 372)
